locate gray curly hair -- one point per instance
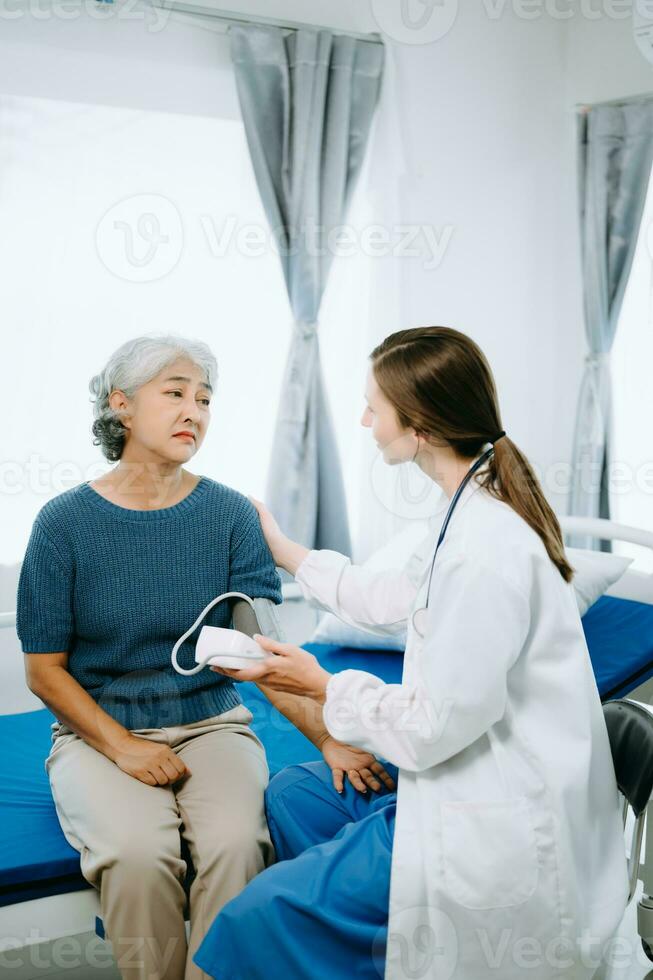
(134, 364)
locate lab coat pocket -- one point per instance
(490, 856)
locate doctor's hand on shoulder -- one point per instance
(285, 553)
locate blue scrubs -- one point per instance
(320, 912)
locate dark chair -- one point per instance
(630, 729)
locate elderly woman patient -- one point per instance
(115, 572)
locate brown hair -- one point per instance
(441, 385)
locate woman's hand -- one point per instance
(151, 762)
(289, 669)
(361, 767)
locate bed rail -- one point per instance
(599, 527)
(634, 584)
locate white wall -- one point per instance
(489, 152)
(602, 61)
(487, 122)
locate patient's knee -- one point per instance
(142, 861)
(246, 846)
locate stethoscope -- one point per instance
(420, 615)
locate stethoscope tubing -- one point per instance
(445, 524)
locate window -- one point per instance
(631, 485)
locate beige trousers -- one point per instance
(129, 836)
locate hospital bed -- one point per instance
(619, 632)
(40, 881)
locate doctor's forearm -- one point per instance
(304, 713)
(289, 555)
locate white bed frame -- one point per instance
(638, 586)
(58, 928)
(633, 584)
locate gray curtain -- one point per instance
(615, 155)
(307, 99)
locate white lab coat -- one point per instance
(508, 858)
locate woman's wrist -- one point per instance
(318, 691)
(120, 740)
(323, 739)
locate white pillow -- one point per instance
(595, 571)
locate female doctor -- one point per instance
(501, 853)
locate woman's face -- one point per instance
(177, 399)
(397, 444)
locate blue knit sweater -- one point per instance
(116, 588)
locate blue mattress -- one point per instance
(35, 858)
(619, 636)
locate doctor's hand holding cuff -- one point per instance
(296, 671)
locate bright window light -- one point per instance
(631, 486)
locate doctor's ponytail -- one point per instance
(441, 385)
(511, 478)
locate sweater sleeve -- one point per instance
(251, 566)
(44, 601)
